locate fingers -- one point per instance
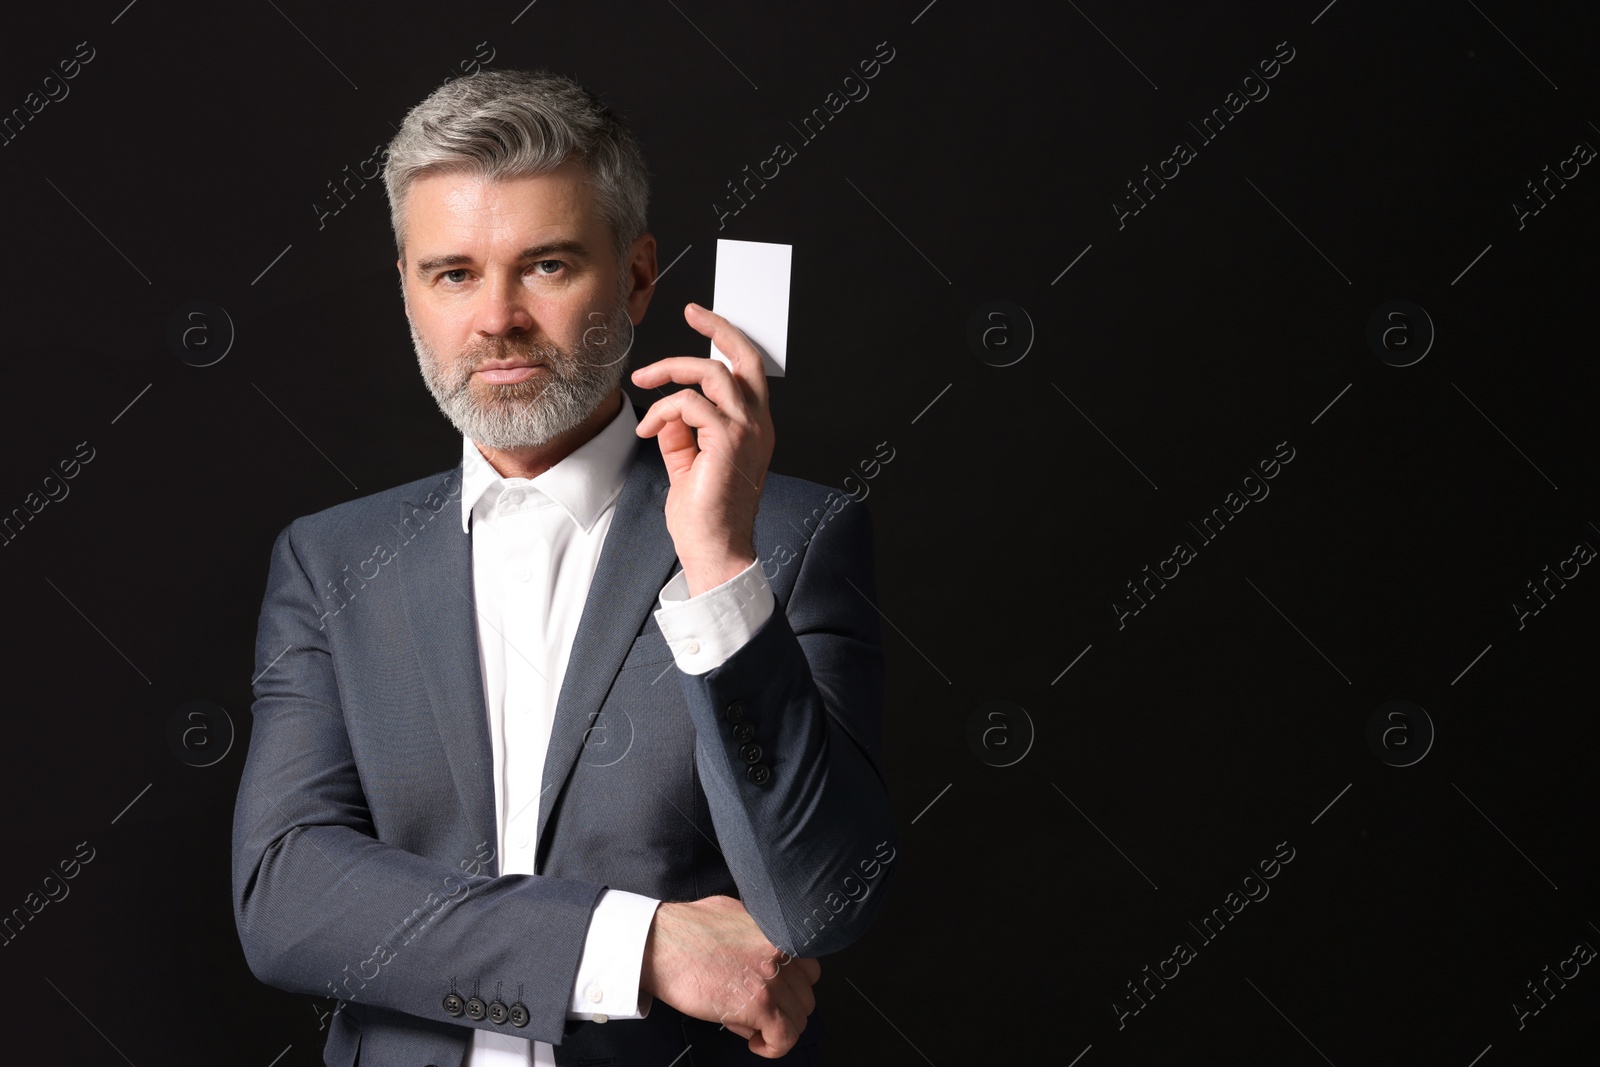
(731, 342)
(685, 406)
(740, 388)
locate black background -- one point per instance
(1231, 314)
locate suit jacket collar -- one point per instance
(636, 560)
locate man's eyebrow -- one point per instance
(574, 248)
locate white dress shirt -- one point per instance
(535, 546)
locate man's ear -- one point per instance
(642, 273)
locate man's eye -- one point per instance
(447, 275)
(554, 264)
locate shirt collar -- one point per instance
(584, 483)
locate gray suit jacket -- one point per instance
(363, 858)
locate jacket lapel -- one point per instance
(436, 585)
(635, 562)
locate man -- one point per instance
(475, 808)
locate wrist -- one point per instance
(700, 576)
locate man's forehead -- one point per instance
(452, 207)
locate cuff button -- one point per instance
(744, 731)
(453, 1004)
(750, 753)
(518, 1014)
(476, 1009)
(497, 1012)
(735, 711)
(760, 774)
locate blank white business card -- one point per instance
(752, 292)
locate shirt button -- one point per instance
(692, 648)
(602, 1018)
(595, 995)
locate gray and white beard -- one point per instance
(529, 413)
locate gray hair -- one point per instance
(505, 124)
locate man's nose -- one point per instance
(503, 306)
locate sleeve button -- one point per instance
(476, 1009)
(497, 1012)
(735, 711)
(518, 1014)
(760, 774)
(744, 731)
(453, 1004)
(750, 753)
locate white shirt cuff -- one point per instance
(607, 986)
(704, 631)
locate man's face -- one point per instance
(521, 316)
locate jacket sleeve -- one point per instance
(789, 749)
(323, 907)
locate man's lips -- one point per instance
(507, 371)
